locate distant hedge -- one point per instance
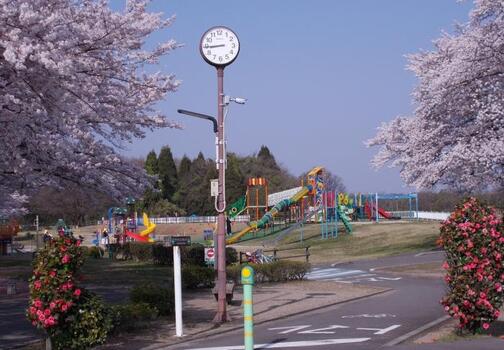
(278, 271)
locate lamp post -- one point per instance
(219, 47)
(218, 128)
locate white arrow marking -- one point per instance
(380, 330)
(289, 329)
(390, 278)
(323, 330)
(294, 344)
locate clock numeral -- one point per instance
(231, 52)
(227, 57)
(212, 34)
(233, 45)
(214, 56)
(209, 40)
(227, 34)
(209, 52)
(220, 58)
(219, 32)
(231, 38)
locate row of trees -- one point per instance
(183, 187)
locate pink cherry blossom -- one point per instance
(77, 81)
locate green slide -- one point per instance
(345, 219)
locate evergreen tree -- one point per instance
(167, 173)
(151, 163)
(235, 181)
(184, 183)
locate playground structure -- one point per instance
(372, 211)
(311, 203)
(255, 203)
(143, 236)
(314, 188)
(123, 223)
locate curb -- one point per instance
(417, 331)
(234, 328)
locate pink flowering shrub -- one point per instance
(57, 305)
(473, 240)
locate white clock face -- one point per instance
(219, 46)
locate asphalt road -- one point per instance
(368, 323)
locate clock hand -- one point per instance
(211, 47)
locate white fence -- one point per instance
(423, 215)
(195, 219)
(432, 215)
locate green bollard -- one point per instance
(247, 280)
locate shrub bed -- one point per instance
(131, 316)
(160, 298)
(474, 244)
(194, 276)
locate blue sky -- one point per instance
(320, 77)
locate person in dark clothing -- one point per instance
(228, 225)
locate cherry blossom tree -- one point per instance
(456, 137)
(76, 84)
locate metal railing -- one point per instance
(261, 258)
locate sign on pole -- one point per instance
(180, 240)
(210, 256)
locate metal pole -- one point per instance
(177, 277)
(416, 205)
(37, 233)
(377, 214)
(221, 315)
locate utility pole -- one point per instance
(37, 233)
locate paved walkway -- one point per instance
(271, 301)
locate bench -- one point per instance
(229, 292)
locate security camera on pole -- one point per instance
(219, 47)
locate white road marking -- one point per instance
(293, 344)
(425, 253)
(347, 276)
(289, 329)
(323, 330)
(369, 316)
(381, 330)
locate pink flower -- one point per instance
(47, 312)
(498, 287)
(64, 307)
(33, 310)
(486, 325)
(65, 259)
(37, 284)
(37, 303)
(77, 292)
(445, 265)
(52, 273)
(52, 305)
(483, 295)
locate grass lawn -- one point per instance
(366, 241)
(105, 272)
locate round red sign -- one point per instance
(210, 253)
